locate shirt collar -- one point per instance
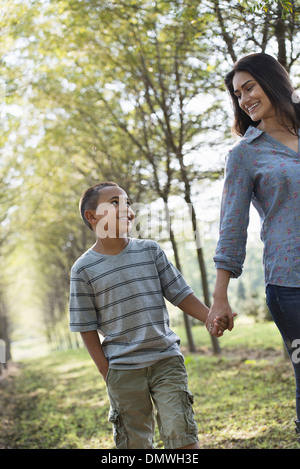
(252, 133)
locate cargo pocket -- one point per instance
(192, 428)
(119, 433)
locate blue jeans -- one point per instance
(284, 305)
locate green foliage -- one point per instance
(253, 6)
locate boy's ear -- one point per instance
(90, 216)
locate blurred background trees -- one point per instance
(130, 91)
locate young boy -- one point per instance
(118, 288)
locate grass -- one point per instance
(244, 399)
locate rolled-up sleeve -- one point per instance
(234, 216)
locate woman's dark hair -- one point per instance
(89, 199)
(275, 82)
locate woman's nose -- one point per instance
(244, 100)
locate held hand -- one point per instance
(220, 318)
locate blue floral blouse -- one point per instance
(262, 170)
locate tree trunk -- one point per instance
(4, 332)
(187, 322)
(280, 37)
(201, 262)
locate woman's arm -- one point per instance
(220, 306)
(234, 219)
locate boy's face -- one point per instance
(113, 216)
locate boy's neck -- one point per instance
(110, 246)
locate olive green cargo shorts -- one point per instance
(135, 393)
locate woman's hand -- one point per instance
(220, 310)
(219, 318)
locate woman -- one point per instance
(263, 167)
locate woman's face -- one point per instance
(251, 97)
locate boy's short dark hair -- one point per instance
(90, 197)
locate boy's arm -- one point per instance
(192, 306)
(173, 285)
(83, 317)
(92, 342)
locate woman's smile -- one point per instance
(252, 108)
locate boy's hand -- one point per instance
(104, 371)
(219, 325)
(221, 309)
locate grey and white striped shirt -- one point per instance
(122, 296)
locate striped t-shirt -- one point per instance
(122, 296)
